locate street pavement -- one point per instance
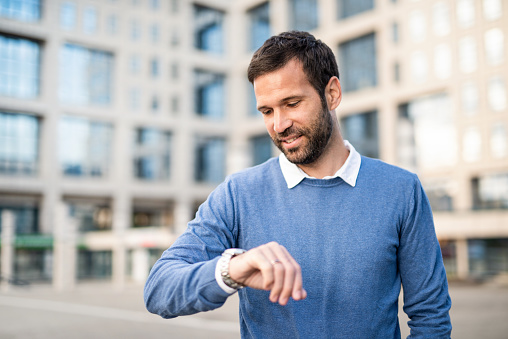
(95, 310)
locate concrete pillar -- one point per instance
(462, 255)
(65, 253)
(140, 265)
(121, 222)
(183, 214)
(7, 236)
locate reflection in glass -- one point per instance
(261, 147)
(19, 67)
(84, 147)
(19, 144)
(304, 14)
(208, 29)
(209, 94)
(22, 10)
(152, 154)
(210, 160)
(361, 130)
(358, 63)
(348, 8)
(259, 25)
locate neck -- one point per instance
(332, 159)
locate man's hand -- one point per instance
(269, 267)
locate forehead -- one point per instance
(289, 80)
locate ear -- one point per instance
(333, 93)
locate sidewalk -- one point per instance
(98, 311)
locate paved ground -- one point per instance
(98, 311)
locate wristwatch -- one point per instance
(223, 263)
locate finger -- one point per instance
(297, 291)
(277, 269)
(290, 271)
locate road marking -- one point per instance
(118, 314)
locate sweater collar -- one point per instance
(348, 172)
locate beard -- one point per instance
(318, 134)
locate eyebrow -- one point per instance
(286, 99)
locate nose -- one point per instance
(281, 122)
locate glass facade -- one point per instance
(361, 130)
(152, 154)
(358, 63)
(490, 191)
(89, 20)
(22, 10)
(349, 8)
(210, 160)
(26, 218)
(67, 15)
(19, 144)
(94, 265)
(261, 148)
(152, 213)
(426, 134)
(208, 29)
(90, 215)
(209, 94)
(84, 147)
(304, 14)
(259, 25)
(19, 67)
(85, 75)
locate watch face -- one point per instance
(234, 251)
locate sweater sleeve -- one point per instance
(426, 298)
(182, 281)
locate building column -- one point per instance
(140, 265)
(183, 214)
(462, 255)
(121, 222)
(7, 236)
(64, 249)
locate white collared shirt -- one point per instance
(348, 172)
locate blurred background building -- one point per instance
(118, 118)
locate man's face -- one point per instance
(296, 118)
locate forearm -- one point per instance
(176, 288)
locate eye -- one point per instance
(266, 111)
(293, 103)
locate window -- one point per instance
(471, 145)
(152, 154)
(84, 147)
(259, 25)
(395, 32)
(417, 26)
(469, 98)
(135, 30)
(89, 20)
(465, 13)
(349, 8)
(358, 63)
(175, 71)
(85, 75)
(154, 68)
(19, 67)
(210, 160)
(261, 147)
(426, 134)
(208, 29)
(146, 213)
(494, 46)
(396, 72)
(135, 99)
(155, 104)
(442, 61)
(155, 4)
(490, 191)
(23, 10)
(67, 15)
(304, 14)
(467, 54)
(496, 94)
(439, 193)
(26, 217)
(94, 264)
(209, 94)
(361, 130)
(19, 144)
(419, 67)
(112, 24)
(135, 64)
(92, 214)
(440, 19)
(155, 33)
(499, 141)
(492, 9)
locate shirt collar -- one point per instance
(348, 172)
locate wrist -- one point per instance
(223, 266)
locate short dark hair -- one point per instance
(317, 58)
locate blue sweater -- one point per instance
(355, 245)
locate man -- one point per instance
(326, 236)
